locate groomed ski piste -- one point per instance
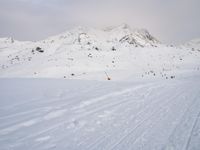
(55, 95)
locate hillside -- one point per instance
(87, 53)
(151, 102)
(193, 44)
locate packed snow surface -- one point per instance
(58, 114)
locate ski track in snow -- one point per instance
(163, 115)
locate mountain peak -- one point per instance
(122, 34)
(124, 26)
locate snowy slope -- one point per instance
(143, 110)
(193, 44)
(49, 114)
(87, 53)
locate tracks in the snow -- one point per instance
(192, 131)
(91, 111)
(124, 118)
(142, 116)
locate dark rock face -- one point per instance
(39, 49)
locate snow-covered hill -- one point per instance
(158, 108)
(87, 53)
(193, 44)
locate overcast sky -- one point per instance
(171, 21)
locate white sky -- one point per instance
(171, 21)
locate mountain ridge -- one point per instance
(87, 53)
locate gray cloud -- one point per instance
(171, 21)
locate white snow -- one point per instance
(55, 93)
(87, 53)
(54, 114)
(43, 139)
(78, 114)
(193, 44)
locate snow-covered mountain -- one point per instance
(119, 52)
(193, 44)
(158, 108)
